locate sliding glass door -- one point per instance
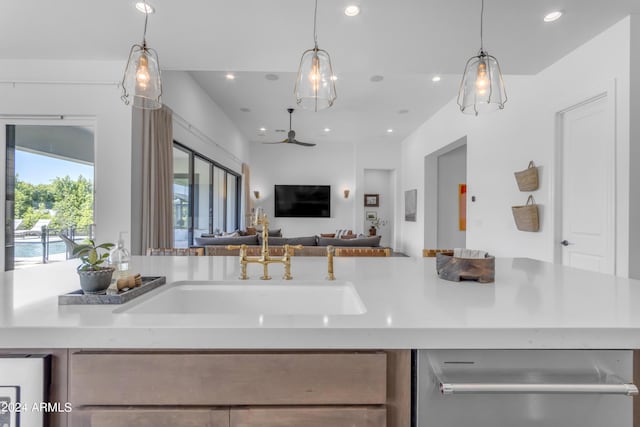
(181, 197)
(208, 190)
(201, 196)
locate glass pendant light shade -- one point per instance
(482, 88)
(141, 84)
(315, 85)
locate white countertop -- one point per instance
(532, 304)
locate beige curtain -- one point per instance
(246, 193)
(157, 179)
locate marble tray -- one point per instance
(112, 297)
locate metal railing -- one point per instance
(73, 233)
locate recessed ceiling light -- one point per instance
(436, 79)
(352, 10)
(281, 130)
(144, 7)
(263, 129)
(230, 76)
(553, 16)
(245, 110)
(334, 77)
(272, 77)
(327, 130)
(376, 78)
(389, 130)
(403, 111)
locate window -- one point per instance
(48, 191)
(205, 196)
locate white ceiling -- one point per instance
(407, 41)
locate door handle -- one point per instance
(619, 389)
(565, 243)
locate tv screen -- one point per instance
(303, 201)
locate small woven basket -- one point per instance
(526, 216)
(527, 179)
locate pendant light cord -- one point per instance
(146, 19)
(481, 27)
(315, 19)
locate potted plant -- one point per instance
(94, 277)
(376, 223)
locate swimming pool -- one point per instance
(34, 249)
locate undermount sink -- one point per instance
(234, 297)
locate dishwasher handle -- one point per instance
(488, 388)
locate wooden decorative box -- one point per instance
(481, 270)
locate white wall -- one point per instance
(381, 182)
(324, 164)
(452, 171)
(84, 92)
(341, 165)
(634, 157)
(200, 123)
(503, 142)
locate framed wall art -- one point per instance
(372, 200)
(410, 205)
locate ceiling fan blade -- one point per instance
(284, 141)
(304, 144)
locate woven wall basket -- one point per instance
(526, 216)
(528, 179)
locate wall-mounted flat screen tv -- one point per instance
(303, 201)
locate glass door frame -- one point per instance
(192, 155)
(39, 120)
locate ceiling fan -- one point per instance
(291, 136)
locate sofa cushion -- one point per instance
(273, 241)
(281, 241)
(304, 241)
(240, 240)
(360, 242)
(272, 232)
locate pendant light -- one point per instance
(141, 81)
(482, 87)
(315, 85)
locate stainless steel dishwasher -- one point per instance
(523, 388)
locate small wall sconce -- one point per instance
(256, 194)
(346, 193)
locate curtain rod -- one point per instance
(203, 136)
(14, 83)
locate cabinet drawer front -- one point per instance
(308, 417)
(128, 417)
(227, 379)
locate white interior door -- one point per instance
(588, 147)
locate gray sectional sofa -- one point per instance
(256, 240)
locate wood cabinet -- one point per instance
(128, 417)
(308, 417)
(195, 388)
(174, 378)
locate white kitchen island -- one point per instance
(296, 365)
(531, 305)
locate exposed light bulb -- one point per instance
(142, 74)
(314, 74)
(482, 79)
